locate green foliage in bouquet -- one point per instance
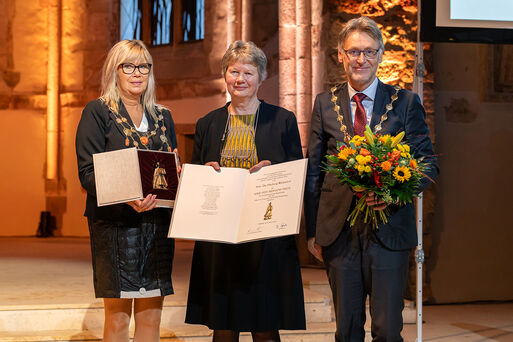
(378, 164)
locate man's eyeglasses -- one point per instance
(368, 53)
(129, 68)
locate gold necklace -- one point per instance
(129, 130)
(377, 128)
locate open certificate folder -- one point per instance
(233, 206)
(130, 174)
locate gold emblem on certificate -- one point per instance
(159, 178)
(269, 212)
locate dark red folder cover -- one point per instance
(149, 162)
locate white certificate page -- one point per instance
(208, 203)
(233, 206)
(272, 201)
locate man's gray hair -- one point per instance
(362, 24)
(245, 52)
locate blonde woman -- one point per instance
(132, 257)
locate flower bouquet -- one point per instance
(380, 164)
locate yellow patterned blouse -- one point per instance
(239, 149)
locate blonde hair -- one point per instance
(127, 51)
(246, 52)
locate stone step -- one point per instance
(90, 317)
(315, 332)
(40, 318)
(76, 323)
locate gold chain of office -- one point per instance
(340, 117)
(129, 130)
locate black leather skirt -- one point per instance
(132, 260)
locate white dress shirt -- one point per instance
(368, 102)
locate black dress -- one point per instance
(131, 254)
(253, 286)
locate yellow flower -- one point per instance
(405, 151)
(357, 140)
(401, 173)
(362, 160)
(360, 168)
(368, 168)
(346, 152)
(384, 138)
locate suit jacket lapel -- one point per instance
(156, 142)
(220, 131)
(261, 131)
(345, 109)
(379, 105)
(123, 113)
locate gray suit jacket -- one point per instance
(327, 203)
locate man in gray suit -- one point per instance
(362, 261)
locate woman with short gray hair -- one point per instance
(255, 286)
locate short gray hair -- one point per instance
(246, 52)
(362, 24)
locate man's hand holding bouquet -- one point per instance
(378, 166)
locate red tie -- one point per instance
(360, 120)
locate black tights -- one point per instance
(233, 336)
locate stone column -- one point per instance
(297, 37)
(287, 52)
(303, 68)
(234, 21)
(52, 89)
(299, 44)
(318, 68)
(55, 186)
(246, 19)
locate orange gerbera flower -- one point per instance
(396, 154)
(364, 152)
(386, 165)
